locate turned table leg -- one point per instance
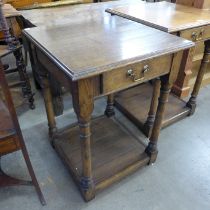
(37, 69)
(151, 149)
(109, 112)
(153, 108)
(26, 87)
(49, 106)
(83, 103)
(86, 183)
(192, 101)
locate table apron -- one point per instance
(116, 79)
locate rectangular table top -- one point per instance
(76, 14)
(165, 16)
(90, 48)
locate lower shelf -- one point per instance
(135, 104)
(115, 152)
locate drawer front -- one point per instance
(9, 145)
(134, 74)
(196, 34)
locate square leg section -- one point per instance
(115, 152)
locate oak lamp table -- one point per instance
(187, 22)
(109, 58)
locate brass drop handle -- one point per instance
(197, 36)
(133, 76)
(194, 36)
(145, 69)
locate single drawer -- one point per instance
(196, 34)
(9, 145)
(134, 74)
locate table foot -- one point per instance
(192, 105)
(152, 151)
(88, 188)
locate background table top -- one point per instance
(70, 14)
(165, 16)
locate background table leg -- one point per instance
(49, 106)
(109, 112)
(153, 108)
(192, 101)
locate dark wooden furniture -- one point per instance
(14, 47)
(112, 56)
(11, 139)
(187, 22)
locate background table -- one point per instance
(187, 22)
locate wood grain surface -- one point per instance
(110, 44)
(165, 16)
(76, 14)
